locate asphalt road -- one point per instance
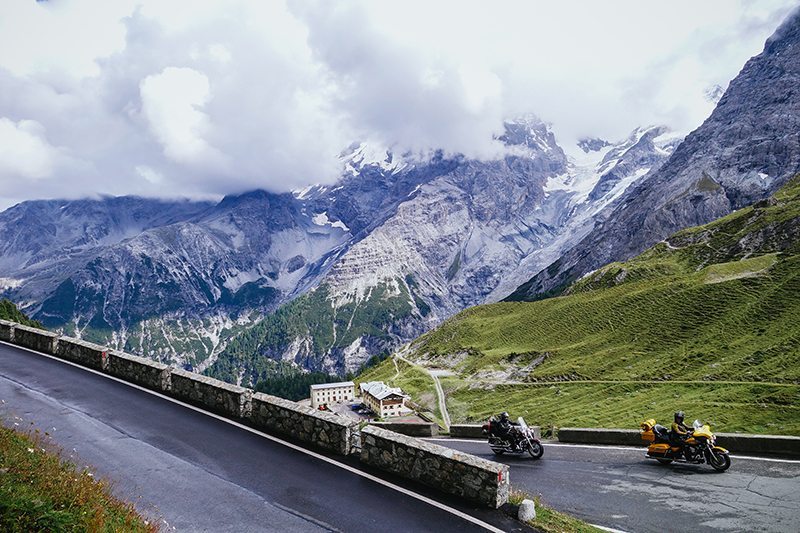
(617, 487)
(194, 472)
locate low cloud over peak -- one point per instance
(200, 99)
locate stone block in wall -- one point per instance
(139, 370)
(82, 352)
(461, 474)
(212, 394)
(7, 330)
(35, 339)
(321, 429)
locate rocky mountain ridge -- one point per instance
(178, 281)
(452, 243)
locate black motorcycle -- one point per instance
(520, 439)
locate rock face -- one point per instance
(746, 149)
(468, 233)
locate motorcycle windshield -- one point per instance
(697, 424)
(522, 423)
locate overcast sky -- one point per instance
(203, 98)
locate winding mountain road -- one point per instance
(198, 472)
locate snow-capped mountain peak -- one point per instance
(603, 170)
(362, 154)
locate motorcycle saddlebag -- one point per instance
(658, 450)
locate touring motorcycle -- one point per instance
(700, 446)
(521, 439)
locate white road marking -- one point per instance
(321, 457)
(609, 529)
(767, 459)
(624, 448)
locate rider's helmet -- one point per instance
(504, 416)
(679, 417)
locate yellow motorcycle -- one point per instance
(700, 446)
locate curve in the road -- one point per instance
(204, 473)
(619, 488)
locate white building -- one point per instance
(324, 394)
(383, 400)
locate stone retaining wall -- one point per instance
(144, 372)
(466, 476)
(769, 444)
(628, 437)
(35, 339)
(213, 394)
(7, 331)
(318, 428)
(82, 352)
(412, 429)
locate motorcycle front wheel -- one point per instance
(719, 461)
(536, 450)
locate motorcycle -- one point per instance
(699, 447)
(521, 440)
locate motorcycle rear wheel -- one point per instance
(536, 450)
(498, 451)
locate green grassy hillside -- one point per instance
(707, 321)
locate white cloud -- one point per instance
(150, 175)
(67, 37)
(172, 102)
(169, 97)
(24, 151)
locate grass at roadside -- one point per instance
(748, 408)
(40, 491)
(551, 521)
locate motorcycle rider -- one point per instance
(505, 429)
(680, 430)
